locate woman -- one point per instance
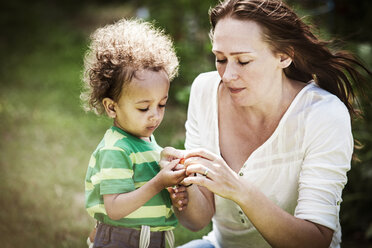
(270, 131)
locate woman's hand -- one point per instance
(218, 177)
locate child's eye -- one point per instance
(143, 110)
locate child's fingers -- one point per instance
(181, 195)
(179, 167)
(178, 199)
(179, 175)
(180, 188)
(170, 190)
(183, 202)
(172, 164)
(163, 164)
(170, 153)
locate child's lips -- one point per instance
(152, 127)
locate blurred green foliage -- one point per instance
(46, 138)
(187, 22)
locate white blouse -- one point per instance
(302, 167)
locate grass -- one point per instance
(46, 141)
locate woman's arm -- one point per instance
(279, 228)
(120, 205)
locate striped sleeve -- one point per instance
(116, 173)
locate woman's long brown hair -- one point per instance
(337, 72)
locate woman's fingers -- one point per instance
(201, 166)
(201, 181)
(217, 176)
(200, 153)
(208, 163)
(207, 171)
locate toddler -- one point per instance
(127, 72)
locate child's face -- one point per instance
(140, 108)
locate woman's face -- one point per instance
(249, 70)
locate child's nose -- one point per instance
(155, 115)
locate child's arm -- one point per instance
(120, 205)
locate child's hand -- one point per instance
(169, 154)
(181, 165)
(179, 197)
(169, 175)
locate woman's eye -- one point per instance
(221, 61)
(244, 63)
(143, 110)
(162, 105)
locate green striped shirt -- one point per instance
(122, 163)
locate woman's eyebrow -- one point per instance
(233, 53)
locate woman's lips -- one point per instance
(235, 90)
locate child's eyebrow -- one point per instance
(147, 101)
(143, 101)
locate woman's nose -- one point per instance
(230, 73)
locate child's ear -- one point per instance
(109, 105)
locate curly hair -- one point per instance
(114, 55)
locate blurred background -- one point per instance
(46, 138)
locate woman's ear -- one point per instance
(285, 60)
(109, 105)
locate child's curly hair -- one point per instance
(116, 52)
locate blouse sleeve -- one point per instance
(328, 147)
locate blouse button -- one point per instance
(241, 174)
(240, 212)
(242, 220)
